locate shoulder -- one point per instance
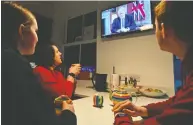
(58, 73)
(128, 15)
(10, 55)
(16, 67)
(13, 59)
(189, 79)
(116, 19)
(39, 69)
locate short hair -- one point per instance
(178, 16)
(121, 8)
(44, 55)
(13, 15)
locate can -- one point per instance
(98, 100)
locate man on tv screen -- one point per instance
(124, 22)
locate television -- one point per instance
(126, 18)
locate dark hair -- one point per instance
(178, 16)
(44, 55)
(13, 16)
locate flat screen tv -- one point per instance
(130, 17)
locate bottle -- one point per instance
(126, 83)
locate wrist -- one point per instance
(70, 78)
(72, 75)
(144, 112)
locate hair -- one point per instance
(13, 16)
(44, 55)
(178, 16)
(121, 8)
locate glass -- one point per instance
(121, 94)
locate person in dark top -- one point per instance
(174, 35)
(124, 22)
(23, 99)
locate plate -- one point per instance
(152, 92)
(134, 90)
(130, 88)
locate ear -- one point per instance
(21, 27)
(163, 31)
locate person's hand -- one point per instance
(118, 31)
(128, 29)
(75, 68)
(123, 30)
(130, 109)
(67, 99)
(68, 106)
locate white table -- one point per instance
(89, 115)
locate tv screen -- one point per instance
(133, 16)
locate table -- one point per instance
(89, 115)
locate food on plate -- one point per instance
(153, 90)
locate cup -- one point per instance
(120, 95)
(59, 101)
(98, 100)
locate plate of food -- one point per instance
(131, 89)
(152, 92)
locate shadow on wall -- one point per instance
(129, 35)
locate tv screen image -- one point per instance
(133, 16)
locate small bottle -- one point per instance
(126, 83)
(135, 83)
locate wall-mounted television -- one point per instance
(126, 18)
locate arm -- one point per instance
(131, 21)
(180, 112)
(74, 70)
(70, 78)
(53, 87)
(176, 113)
(69, 86)
(45, 108)
(114, 26)
(41, 76)
(157, 108)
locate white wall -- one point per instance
(140, 56)
(135, 55)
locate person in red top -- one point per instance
(174, 32)
(48, 57)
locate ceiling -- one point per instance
(35, 2)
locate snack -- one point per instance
(153, 90)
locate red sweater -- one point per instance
(54, 82)
(177, 110)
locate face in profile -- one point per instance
(29, 38)
(121, 12)
(57, 56)
(165, 37)
(161, 36)
(158, 33)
